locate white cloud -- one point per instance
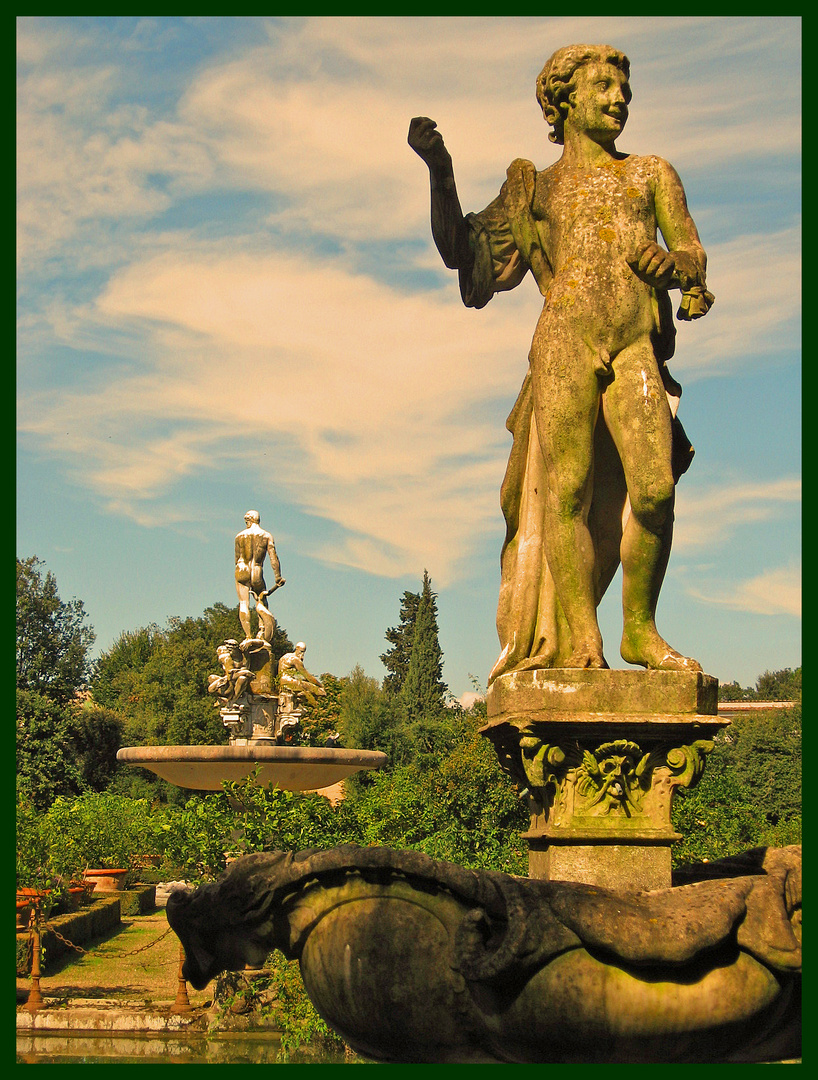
(756, 280)
(775, 592)
(318, 115)
(382, 410)
(366, 399)
(707, 518)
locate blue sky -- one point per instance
(228, 298)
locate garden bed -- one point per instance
(138, 899)
(89, 924)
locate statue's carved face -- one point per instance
(598, 104)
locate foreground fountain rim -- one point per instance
(291, 768)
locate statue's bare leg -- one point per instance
(243, 592)
(638, 416)
(607, 507)
(566, 395)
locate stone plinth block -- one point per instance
(600, 755)
(567, 693)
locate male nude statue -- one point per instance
(252, 545)
(236, 677)
(597, 445)
(295, 679)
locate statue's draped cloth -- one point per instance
(506, 244)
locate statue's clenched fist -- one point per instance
(427, 142)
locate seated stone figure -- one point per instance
(295, 682)
(236, 677)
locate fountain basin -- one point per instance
(291, 768)
(414, 960)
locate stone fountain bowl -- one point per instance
(291, 768)
(413, 960)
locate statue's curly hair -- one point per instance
(556, 80)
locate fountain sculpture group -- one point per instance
(261, 709)
(603, 953)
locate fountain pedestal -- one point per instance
(600, 754)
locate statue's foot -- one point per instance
(653, 652)
(586, 656)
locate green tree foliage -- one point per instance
(34, 869)
(750, 793)
(52, 638)
(100, 830)
(732, 691)
(98, 737)
(323, 719)
(244, 817)
(717, 818)
(763, 752)
(784, 685)
(48, 738)
(372, 719)
(464, 809)
(396, 659)
(52, 665)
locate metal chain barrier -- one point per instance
(47, 926)
(36, 929)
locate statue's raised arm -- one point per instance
(449, 229)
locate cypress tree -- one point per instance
(396, 659)
(424, 691)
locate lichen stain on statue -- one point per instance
(255, 704)
(597, 445)
(415, 960)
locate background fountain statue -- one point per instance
(253, 545)
(253, 707)
(597, 445)
(261, 708)
(295, 684)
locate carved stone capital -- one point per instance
(600, 762)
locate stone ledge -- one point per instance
(608, 692)
(107, 1019)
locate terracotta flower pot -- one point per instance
(23, 914)
(26, 899)
(82, 891)
(106, 881)
(77, 894)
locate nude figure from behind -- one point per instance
(253, 545)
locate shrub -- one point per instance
(99, 830)
(244, 818)
(34, 866)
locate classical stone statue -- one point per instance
(253, 544)
(294, 679)
(236, 676)
(597, 447)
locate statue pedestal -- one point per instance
(250, 719)
(600, 754)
